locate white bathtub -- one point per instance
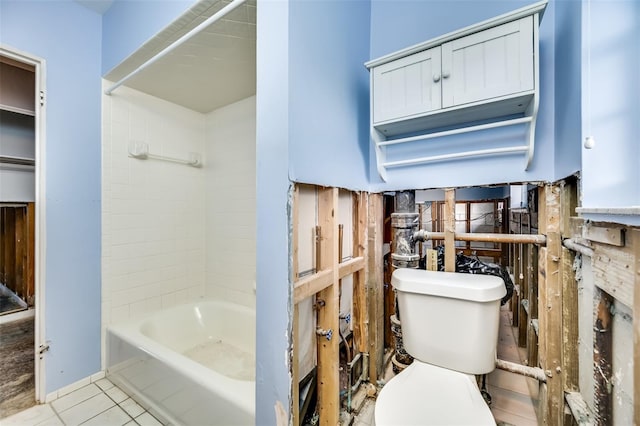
(189, 365)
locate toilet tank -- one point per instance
(450, 319)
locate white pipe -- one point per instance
(478, 153)
(458, 131)
(577, 247)
(213, 18)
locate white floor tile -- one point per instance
(75, 397)
(30, 416)
(132, 407)
(52, 421)
(74, 386)
(114, 416)
(131, 423)
(86, 409)
(116, 394)
(147, 419)
(104, 384)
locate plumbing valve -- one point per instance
(326, 333)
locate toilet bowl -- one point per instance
(450, 326)
(424, 394)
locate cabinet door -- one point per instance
(407, 86)
(489, 64)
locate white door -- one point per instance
(408, 86)
(489, 64)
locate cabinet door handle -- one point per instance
(446, 74)
(436, 78)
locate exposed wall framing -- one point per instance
(323, 285)
(17, 249)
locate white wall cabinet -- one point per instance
(483, 72)
(489, 64)
(408, 86)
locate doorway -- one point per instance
(21, 216)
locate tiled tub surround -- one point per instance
(192, 364)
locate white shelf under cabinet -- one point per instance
(485, 72)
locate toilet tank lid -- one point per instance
(455, 285)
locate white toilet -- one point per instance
(450, 326)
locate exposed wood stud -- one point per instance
(328, 350)
(602, 358)
(295, 338)
(523, 315)
(375, 286)
(449, 230)
(569, 322)
(360, 325)
(635, 236)
(532, 336)
(550, 308)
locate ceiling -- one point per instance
(100, 6)
(216, 67)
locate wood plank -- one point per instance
(635, 238)
(569, 322)
(523, 315)
(360, 303)
(602, 358)
(350, 266)
(609, 234)
(449, 230)
(551, 312)
(295, 331)
(532, 335)
(328, 349)
(10, 249)
(21, 252)
(31, 253)
(375, 287)
(312, 284)
(579, 409)
(569, 197)
(613, 271)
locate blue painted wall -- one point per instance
(568, 90)
(329, 100)
(51, 30)
(611, 103)
(396, 25)
(128, 24)
(273, 280)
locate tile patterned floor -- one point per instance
(97, 404)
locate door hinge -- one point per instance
(42, 349)
(42, 98)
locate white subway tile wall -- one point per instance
(231, 202)
(153, 244)
(173, 233)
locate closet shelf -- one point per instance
(17, 110)
(18, 161)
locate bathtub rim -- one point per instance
(235, 390)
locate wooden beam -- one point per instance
(635, 238)
(613, 271)
(551, 306)
(360, 303)
(612, 235)
(295, 338)
(375, 286)
(579, 409)
(328, 349)
(532, 335)
(523, 314)
(31, 253)
(312, 284)
(569, 323)
(449, 230)
(602, 358)
(350, 266)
